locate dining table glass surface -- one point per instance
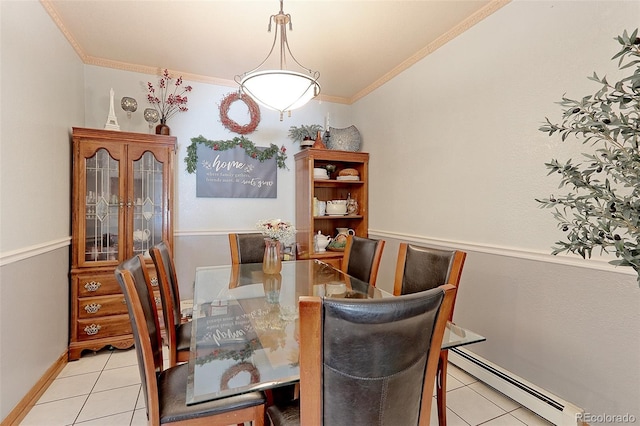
(245, 329)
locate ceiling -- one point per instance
(355, 45)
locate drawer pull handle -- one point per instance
(92, 308)
(124, 301)
(92, 286)
(158, 301)
(92, 329)
(154, 282)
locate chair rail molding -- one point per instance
(13, 256)
(536, 256)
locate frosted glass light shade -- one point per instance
(280, 90)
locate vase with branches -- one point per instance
(600, 203)
(169, 98)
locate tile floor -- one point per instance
(103, 388)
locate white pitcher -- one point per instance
(321, 242)
(143, 235)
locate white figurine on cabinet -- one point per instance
(112, 121)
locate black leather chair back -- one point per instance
(135, 267)
(426, 268)
(362, 257)
(250, 247)
(374, 358)
(170, 273)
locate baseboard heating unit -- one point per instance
(541, 402)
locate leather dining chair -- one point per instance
(178, 332)
(165, 390)
(246, 247)
(421, 268)
(384, 375)
(362, 258)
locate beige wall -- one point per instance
(457, 160)
(42, 97)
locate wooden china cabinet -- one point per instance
(309, 187)
(122, 202)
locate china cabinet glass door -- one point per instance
(148, 203)
(102, 206)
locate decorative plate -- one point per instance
(347, 139)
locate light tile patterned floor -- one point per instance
(103, 388)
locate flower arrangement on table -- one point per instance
(168, 104)
(277, 229)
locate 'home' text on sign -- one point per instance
(234, 174)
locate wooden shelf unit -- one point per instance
(307, 187)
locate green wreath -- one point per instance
(235, 354)
(260, 154)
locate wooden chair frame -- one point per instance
(311, 389)
(455, 274)
(233, 245)
(375, 266)
(169, 298)
(153, 367)
(236, 258)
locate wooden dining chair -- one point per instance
(178, 332)
(367, 361)
(165, 390)
(246, 247)
(421, 268)
(362, 258)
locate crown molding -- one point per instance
(472, 20)
(463, 26)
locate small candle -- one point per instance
(326, 123)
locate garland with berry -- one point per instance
(260, 154)
(254, 113)
(236, 354)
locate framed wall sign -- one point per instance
(233, 173)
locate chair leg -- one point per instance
(441, 386)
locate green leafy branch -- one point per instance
(260, 154)
(602, 207)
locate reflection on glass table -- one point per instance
(246, 329)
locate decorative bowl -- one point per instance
(336, 208)
(347, 139)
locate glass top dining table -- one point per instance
(245, 324)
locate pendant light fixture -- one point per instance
(280, 89)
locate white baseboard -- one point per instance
(541, 402)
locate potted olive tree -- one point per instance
(305, 135)
(600, 201)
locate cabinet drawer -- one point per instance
(91, 307)
(97, 285)
(99, 327)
